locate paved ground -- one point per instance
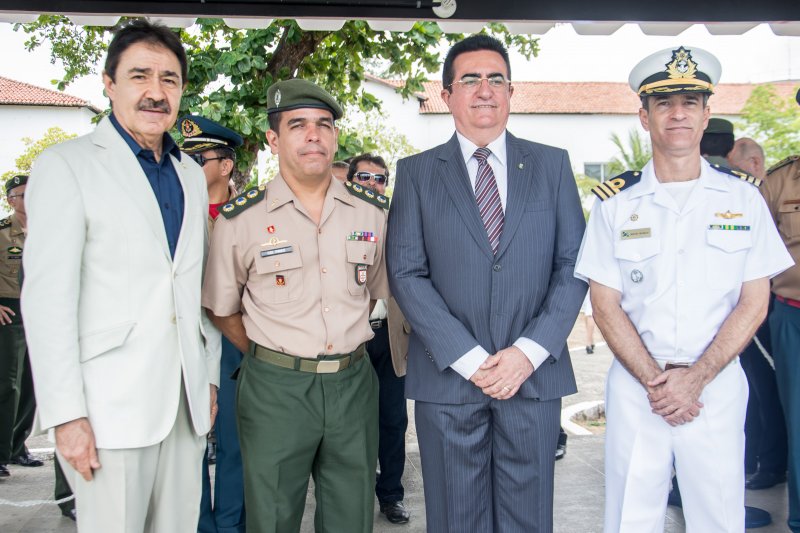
(578, 492)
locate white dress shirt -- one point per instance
(470, 362)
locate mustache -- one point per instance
(148, 104)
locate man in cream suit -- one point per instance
(125, 364)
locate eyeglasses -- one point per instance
(201, 160)
(20, 195)
(380, 179)
(471, 83)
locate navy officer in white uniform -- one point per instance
(679, 258)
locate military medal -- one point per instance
(280, 281)
(361, 274)
(270, 229)
(727, 215)
(637, 276)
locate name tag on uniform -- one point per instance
(276, 251)
(639, 233)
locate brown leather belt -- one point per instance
(330, 365)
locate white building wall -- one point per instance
(33, 121)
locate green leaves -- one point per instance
(773, 122)
(230, 70)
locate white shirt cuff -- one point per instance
(534, 351)
(470, 362)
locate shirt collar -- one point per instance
(168, 144)
(497, 147)
(709, 179)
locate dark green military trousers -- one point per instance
(26, 410)
(293, 424)
(12, 358)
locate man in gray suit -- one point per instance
(483, 235)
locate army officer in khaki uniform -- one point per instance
(13, 348)
(293, 271)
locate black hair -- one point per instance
(226, 152)
(719, 144)
(369, 158)
(141, 31)
(474, 43)
(274, 120)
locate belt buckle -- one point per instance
(328, 367)
(376, 324)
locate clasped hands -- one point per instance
(502, 374)
(674, 395)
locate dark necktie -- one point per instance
(488, 198)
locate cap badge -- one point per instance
(682, 65)
(189, 128)
(277, 98)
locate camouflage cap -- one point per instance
(297, 94)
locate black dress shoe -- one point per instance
(4, 471)
(755, 517)
(764, 480)
(395, 512)
(561, 451)
(26, 460)
(70, 513)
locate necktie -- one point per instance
(488, 198)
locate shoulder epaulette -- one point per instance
(782, 163)
(6, 222)
(367, 195)
(244, 201)
(609, 188)
(744, 176)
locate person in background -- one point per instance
(782, 194)
(17, 402)
(339, 169)
(213, 147)
(371, 171)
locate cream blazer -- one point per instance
(112, 321)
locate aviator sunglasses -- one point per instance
(365, 176)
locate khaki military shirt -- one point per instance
(302, 289)
(11, 240)
(781, 190)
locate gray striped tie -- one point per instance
(488, 198)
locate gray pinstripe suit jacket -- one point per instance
(457, 294)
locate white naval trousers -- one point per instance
(708, 455)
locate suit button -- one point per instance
(174, 321)
(497, 268)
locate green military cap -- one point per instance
(719, 125)
(297, 94)
(16, 181)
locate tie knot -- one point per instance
(482, 154)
